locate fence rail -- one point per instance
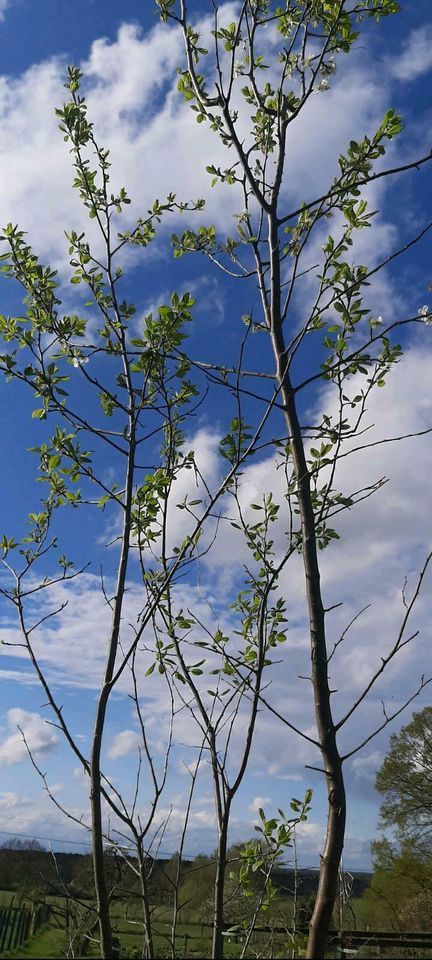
(350, 941)
(344, 943)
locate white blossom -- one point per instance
(323, 84)
(376, 321)
(328, 67)
(424, 311)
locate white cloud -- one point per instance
(382, 540)
(35, 815)
(4, 4)
(278, 769)
(211, 300)
(331, 122)
(366, 766)
(40, 737)
(205, 444)
(416, 56)
(190, 768)
(64, 647)
(152, 141)
(78, 773)
(310, 829)
(123, 744)
(56, 788)
(191, 484)
(156, 145)
(258, 803)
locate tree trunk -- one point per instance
(218, 918)
(319, 666)
(330, 861)
(147, 933)
(102, 898)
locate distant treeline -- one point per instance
(34, 872)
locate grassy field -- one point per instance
(193, 939)
(50, 943)
(46, 943)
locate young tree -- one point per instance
(144, 394)
(133, 395)
(122, 390)
(252, 88)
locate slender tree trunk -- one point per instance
(324, 903)
(218, 918)
(102, 898)
(148, 937)
(330, 861)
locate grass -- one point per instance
(8, 897)
(45, 943)
(193, 938)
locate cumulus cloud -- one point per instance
(33, 814)
(258, 803)
(40, 737)
(382, 540)
(134, 106)
(156, 145)
(123, 744)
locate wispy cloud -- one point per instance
(415, 58)
(4, 4)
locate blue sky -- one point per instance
(129, 63)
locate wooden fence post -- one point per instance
(339, 946)
(12, 926)
(4, 922)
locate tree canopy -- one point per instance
(405, 779)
